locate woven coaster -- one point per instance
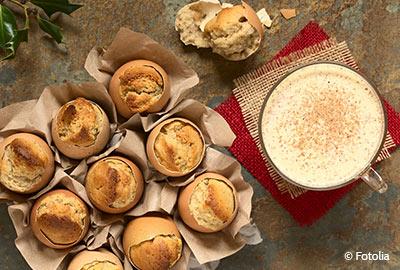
(250, 87)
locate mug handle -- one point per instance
(374, 180)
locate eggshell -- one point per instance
(49, 167)
(146, 228)
(151, 152)
(86, 257)
(186, 194)
(81, 152)
(253, 19)
(139, 188)
(37, 230)
(122, 107)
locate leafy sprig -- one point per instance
(11, 36)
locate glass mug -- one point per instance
(367, 174)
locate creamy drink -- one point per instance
(322, 125)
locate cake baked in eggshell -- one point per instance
(100, 259)
(80, 129)
(26, 163)
(234, 32)
(152, 242)
(59, 219)
(175, 147)
(139, 86)
(209, 203)
(114, 184)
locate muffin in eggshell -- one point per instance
(80, 129)
(100, 259)
(209, 203)
(59, 219)
(114, 184)
(175, 147)
(235, 32)
(152, 242)
(139, 86)
(26, 163)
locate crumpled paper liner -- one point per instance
(55, 96)
(127, 46)
(37, 255)
(215, 246)
(128, 140)
(35, 116)
(203, 251)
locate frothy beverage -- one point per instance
(323, 125)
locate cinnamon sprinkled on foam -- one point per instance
(322, 125)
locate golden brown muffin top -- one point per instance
(111, 183)
(100, 265)
(159, 253)
(61, 218)
(141, 87)
(179, 146)
(22, 164)
(79, 122)
(212, 203)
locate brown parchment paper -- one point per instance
(215, 246)
(127, 46)
(212, 125)
(54, 96)
(35, 116)
(14, 118)
(37, 255)
(203, 251)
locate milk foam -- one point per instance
(323, 125)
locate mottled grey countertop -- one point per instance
(363, 221)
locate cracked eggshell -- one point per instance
(151, 152)
(146, 228)
(139, 187)
(88, 257)
(186, 194)
(114, 87)
(80, 152)
(37, 231)
(49, 166)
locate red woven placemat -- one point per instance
(312, 205)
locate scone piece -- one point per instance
(139, 86)
(152, 242)
(26, 163)
(175, 147)
(114, 184)
(59, 219)
(80, 129)
(208, 204)
(235, 33)
(101, 259)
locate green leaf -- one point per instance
(10, 36)
(50, 28)
(52, 6)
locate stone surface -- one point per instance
(363, 221)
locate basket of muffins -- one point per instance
(79, 166)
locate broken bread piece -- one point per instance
(192, 18)
(234, 32)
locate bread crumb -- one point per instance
(288, 13)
